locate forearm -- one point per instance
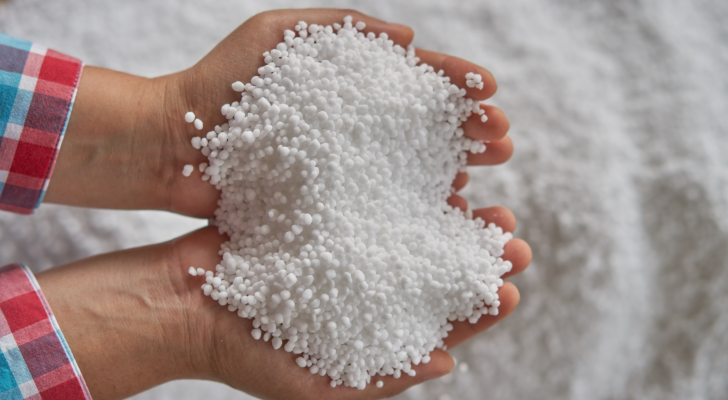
(113, 153)
(121, 318)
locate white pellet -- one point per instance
(192, 271)
(187, 170)
(474, 80)
(335, 195)
(289, 280)
(380, 384)
(289, 237)
(238, 86)
(198, 124)
(463, 367)
(189, 117)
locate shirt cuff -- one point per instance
(37, 90)
(35, 360)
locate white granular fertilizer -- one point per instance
(472, 80)
(335, 168)
(187, 170)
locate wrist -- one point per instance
(112, 152)
(123, 320)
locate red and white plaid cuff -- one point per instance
(35, 361)
(37, 89)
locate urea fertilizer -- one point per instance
(335, 167)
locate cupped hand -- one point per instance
(127, 141)
(205, 87)
(255, 367)
(135, 319)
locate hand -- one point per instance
(135, 319)
(127, 141)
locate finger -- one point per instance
(498, 215)
(494, 129)
(464, 330)
(519, 254)
(461, 179)
(495, 153)
(456, 68)
(516, 251)
(456, 201)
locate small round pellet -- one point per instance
(238, 86)
(187, 170)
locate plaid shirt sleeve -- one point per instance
(35, 361)
(37, 89)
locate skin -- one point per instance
(135, 319)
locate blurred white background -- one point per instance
(619, 180)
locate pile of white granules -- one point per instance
(335, 167)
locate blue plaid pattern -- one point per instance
(37, 89)
(35, 360)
